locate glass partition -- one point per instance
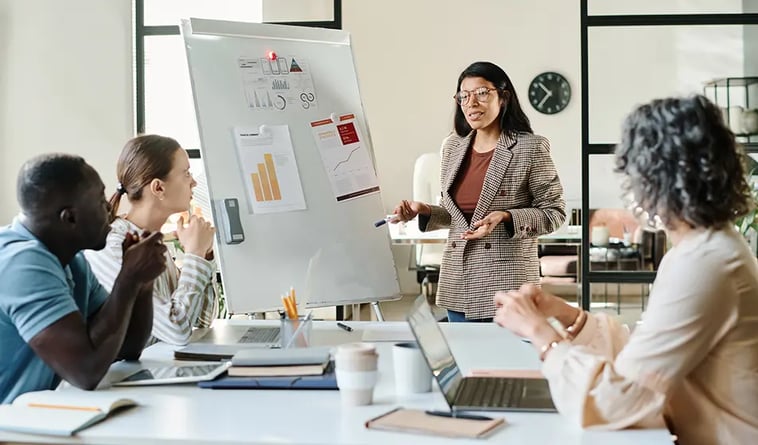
(632, 65)
(649, 7)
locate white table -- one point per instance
(187, 414)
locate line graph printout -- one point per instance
(269, 169)
(345, 157)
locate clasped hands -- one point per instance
(525, 311)
(407, 210)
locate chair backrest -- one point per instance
(426, 178)
(426, 188)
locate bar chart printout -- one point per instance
(269, 169)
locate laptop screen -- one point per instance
(435, 349)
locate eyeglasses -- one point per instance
(482, 95)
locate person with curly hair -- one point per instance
(693, 361)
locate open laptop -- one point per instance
(263, 336)
(223, 341)
(472, 393)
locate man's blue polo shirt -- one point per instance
(35, 292)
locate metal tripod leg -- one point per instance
(377, 310)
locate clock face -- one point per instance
(549, 93)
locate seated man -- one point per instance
(56, 321)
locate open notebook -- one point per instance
(61, 413)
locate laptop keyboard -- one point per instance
(260, 335)
(489, 392)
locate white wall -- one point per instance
(65, 85)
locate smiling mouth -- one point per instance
(475, 115)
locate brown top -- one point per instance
(468, 183)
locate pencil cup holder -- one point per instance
(296, 333)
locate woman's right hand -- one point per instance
(551, 305)
(197, 237)
(407, 210)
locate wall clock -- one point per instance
(549, 93)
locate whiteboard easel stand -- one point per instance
(377, 310)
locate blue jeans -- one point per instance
(460, 317)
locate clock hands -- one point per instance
(547, 96)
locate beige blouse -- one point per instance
(693, 360)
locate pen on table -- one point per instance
(344, 326)
(457, 415)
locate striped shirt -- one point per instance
(181, 299)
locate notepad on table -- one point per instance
(417, 421)
(61, 413)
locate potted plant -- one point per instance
(748, 223)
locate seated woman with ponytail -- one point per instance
(153, 174)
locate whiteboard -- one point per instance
(330, 252)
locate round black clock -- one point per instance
(549, 93)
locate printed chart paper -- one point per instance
(345, 157)
(269, 169)
(284, 83)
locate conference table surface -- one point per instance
(188, 414)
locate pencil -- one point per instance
(287, 307)
(78, 408)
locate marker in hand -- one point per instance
(384, 221)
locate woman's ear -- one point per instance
(504, 99)
(157, 188)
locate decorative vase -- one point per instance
(599, 236)
(735, 119)
(750, 121)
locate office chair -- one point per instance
(426, 188)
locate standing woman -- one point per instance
(500, 191)
(153, 173)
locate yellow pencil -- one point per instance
(287, 307)
(78, 408)
(293, 300)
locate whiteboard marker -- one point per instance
(383, 221)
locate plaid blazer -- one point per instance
(521, 179)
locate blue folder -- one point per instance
(328, 380)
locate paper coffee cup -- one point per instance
(355, 369)
(412, 373)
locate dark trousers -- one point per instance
(460, 317)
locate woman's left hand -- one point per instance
(486, 225)
(517, 312)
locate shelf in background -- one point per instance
(732, 82)
(609, 149)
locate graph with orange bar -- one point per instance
(265, 181)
